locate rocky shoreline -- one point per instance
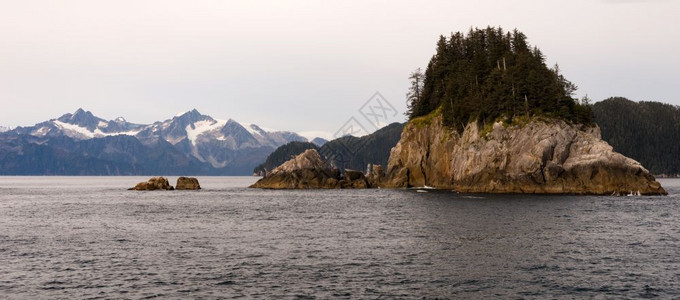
(540, 156)
(309, 171)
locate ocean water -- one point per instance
(90, 238)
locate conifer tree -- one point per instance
(415, 91)
(490, 73)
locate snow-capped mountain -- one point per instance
(3, 129)
(217, 141)
(230, 147)
(176, 129)
(81, 125)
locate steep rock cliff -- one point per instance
(538, 156)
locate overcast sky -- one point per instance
(301, 65)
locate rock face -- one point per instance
(541, 156)
(187, 183)
(354, 179)
(375, 175)
(309, 171)
(155, 183)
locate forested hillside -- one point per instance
(356, 153)
(648, 132)
(490, 74)
(347, 152)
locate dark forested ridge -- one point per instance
(648, 132)
(347, 152)
(356, 153)
(490, 74)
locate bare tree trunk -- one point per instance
(526, 105)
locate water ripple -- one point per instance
(85, 238)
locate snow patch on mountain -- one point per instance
(42, 131)
(253, 129)
(202, 127)
(74, 131)
(130, 133)
(79, 132)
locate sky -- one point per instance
(304, 66)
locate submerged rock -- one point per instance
(187, 183)
(155, 183)
(542, 156)
(309, 171)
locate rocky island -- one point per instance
(542, 156)
(488, 116)
(162, 183)
(308, 170)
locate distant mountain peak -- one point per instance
(191, 117)
(81, 118)
(319, 141)
(189, 113)
(82, 114)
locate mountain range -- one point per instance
(80, 143)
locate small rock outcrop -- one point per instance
(187, 183)
(309, 171)
(375, 175)
(155, 183)
(355, 180)
(540, 156)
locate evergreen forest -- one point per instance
(648, 132)
(489, 74)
